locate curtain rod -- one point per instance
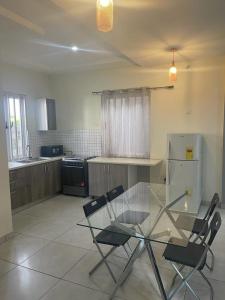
(133, 89)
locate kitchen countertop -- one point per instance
(125, 161)
(13, 165)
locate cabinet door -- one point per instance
(52, 178)
(38, 177)
(49, 178)
(51, 114)
(105, 177)
(117, 175)
(98, 179)
(58, 176)
(20, 187)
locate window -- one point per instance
(15, 124)
(126, 123)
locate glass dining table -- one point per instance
(142, 213)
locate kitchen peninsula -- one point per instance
(107, 172)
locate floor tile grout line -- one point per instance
(62, 279)
(83, 256)
(58, 279)
(81, 285)
(52, 240)
(49, 241)
(63, 276)
(40, 221)
(37, 237)
(51, 288)
(63, 233)
(2, 275)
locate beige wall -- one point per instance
(5, 203)
(23, 81)
(195, 105)
(34, 85)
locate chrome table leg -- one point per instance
(156, 270)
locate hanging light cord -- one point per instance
(173, 62)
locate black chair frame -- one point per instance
(204, 246)
(121, 237)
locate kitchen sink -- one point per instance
(30, 160)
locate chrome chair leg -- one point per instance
(183, 283)
(213, 258)
(175, 276)
(125, 249)
(128, 243)
(209, 284)
(103, 260)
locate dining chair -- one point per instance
(111, 235)
(200, 225)
(129, 216)
(193, 256)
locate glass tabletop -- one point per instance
(141, 212)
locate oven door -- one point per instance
(73, 175)
(75, 179)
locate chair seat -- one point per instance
(132, 217)
(112, 236)
(188, 256)
(186, 223)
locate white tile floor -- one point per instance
(49, 257)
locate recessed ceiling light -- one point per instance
(74, 48)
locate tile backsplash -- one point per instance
(79, 141)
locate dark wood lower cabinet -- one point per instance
(105, 177)
(30, 184)
(20, 187)
(38, 182)
(53, 178)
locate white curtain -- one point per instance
(126, 123)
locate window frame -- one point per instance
(8, 127)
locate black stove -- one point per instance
(75, 175)
(75, 157)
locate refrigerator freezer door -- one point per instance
(184, 146)
(184, 176)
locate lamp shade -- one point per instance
(173, 73)
(104, 15)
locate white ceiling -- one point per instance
(38, 33)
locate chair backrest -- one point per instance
(115, 192)
(213, 204)
(214, 226)
(94, 205)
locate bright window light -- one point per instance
(15, 125)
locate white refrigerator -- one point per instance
(184, 171)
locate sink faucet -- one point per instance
(29, 151)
